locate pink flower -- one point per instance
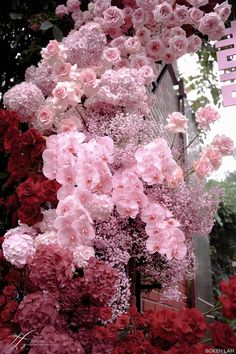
(194, 43)
(113, 16)
(18, 248)
(82, 254)
(119, 43)
(198, 3)
(72, 5)
(70, 124)
(144, 35)
(147, 73)
(178, 45)
(114, 32)
(212, 26)
(132, 45)
(214, 155)
(223, 10)
(111, 55)
(66, 175)
(65, 94)
(138, 17)
(206, 115)
(146, 4)
(163, 13)
(61, 10)
(203, 167)
(155, 49)
(100, 6)
(181, 15)
(195, 15)
(44, 118)
(153, 214)
(177, 123)
(62, 70)
(224, 144)
(175, 177)
(88, 77)
(51, 51)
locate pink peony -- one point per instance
(178, 45)
(100, 6)
(206, 115)
(195, 15)
(224, 144)
(177, 123)
(194, 43)
(181, 15)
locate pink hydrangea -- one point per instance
(177, 123)
(18, 249)
(25, 99)
(224, 144)
(82, 254)
(206, 115)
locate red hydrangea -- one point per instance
(51, 267)
(228, 298)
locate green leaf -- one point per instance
(46, 25)
(15, 16)
(57, 33)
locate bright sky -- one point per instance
(226, 125)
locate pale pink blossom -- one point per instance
(224, 144)
(144, 35)
(82, 254)
(147, 73)
(198, 3)
(132, 45)
(203, 167)
(175, 177)
(44, 118)
(119, 43)
(177, 123)
(51, 51)
(223, 10)
(181, 15)
(73, 5)
(46, 238)
(212, 26)
(206, 115)
(111, 55)
(113, 16)
(18, 249)
(155, 48)
(61, 10)
(163, 13)
(138, 17)
(100, 6)
(66, 94)
(70, 124)
(195, 15)
(66, 175)
(114, 32)
(62, 70)
(214, 155)
(178, 45)
(194, 43)
(153, 214)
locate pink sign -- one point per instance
(226, 58)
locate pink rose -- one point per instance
(194, 43)
(147, 73)
(181, 14)
(111, 55)
(138, 17)
(61, 10)
(65, 94)
(119, 43)
(114, 32)
(146, 4)
(224, 144)
(113, 16)
(198, 3)
(132, 45)
(44, 118)
(212, 26)
(223, 10)
(163, 13)
(72, 5)
(178, 45)
(88, 77)
(51, 51)
(144, 35)
(206, 115)
(155, 48)
(195, 15)
(62, 70)
(214, 155)
(177, 123)
(100, 6)
(138, 61)
(69, 124)
(169, 56)
(203, 167)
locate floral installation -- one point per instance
(88, 191)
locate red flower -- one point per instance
(33, 143)
(5, 332)
(2, 301)
(163, 324)
(229, 298)
(30, 214)
(9, 291)
(105, 313)
(27, 191)
(190, 326)
(6, 315)
(48, 191)
(13, 276)
(223, 335)
(122, 321)
(11, 306)
(12, 202)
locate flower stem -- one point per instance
(190, 143)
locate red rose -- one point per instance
(11, 306)
(18, 167)
(111, 332)
(6, 315)
(30, 214)
(100, 333)
(13, 276)
(27, 191)
(32, 142)
(223, 335)
(2, 301)
(105, 313)
(10, 139)
(190, 326)
(5, 332)
(228, 298)
(12, 202)
(48, 191)
(122, 321)
(9, 291)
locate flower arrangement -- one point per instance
(87, 191)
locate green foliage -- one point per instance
(223, 235)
